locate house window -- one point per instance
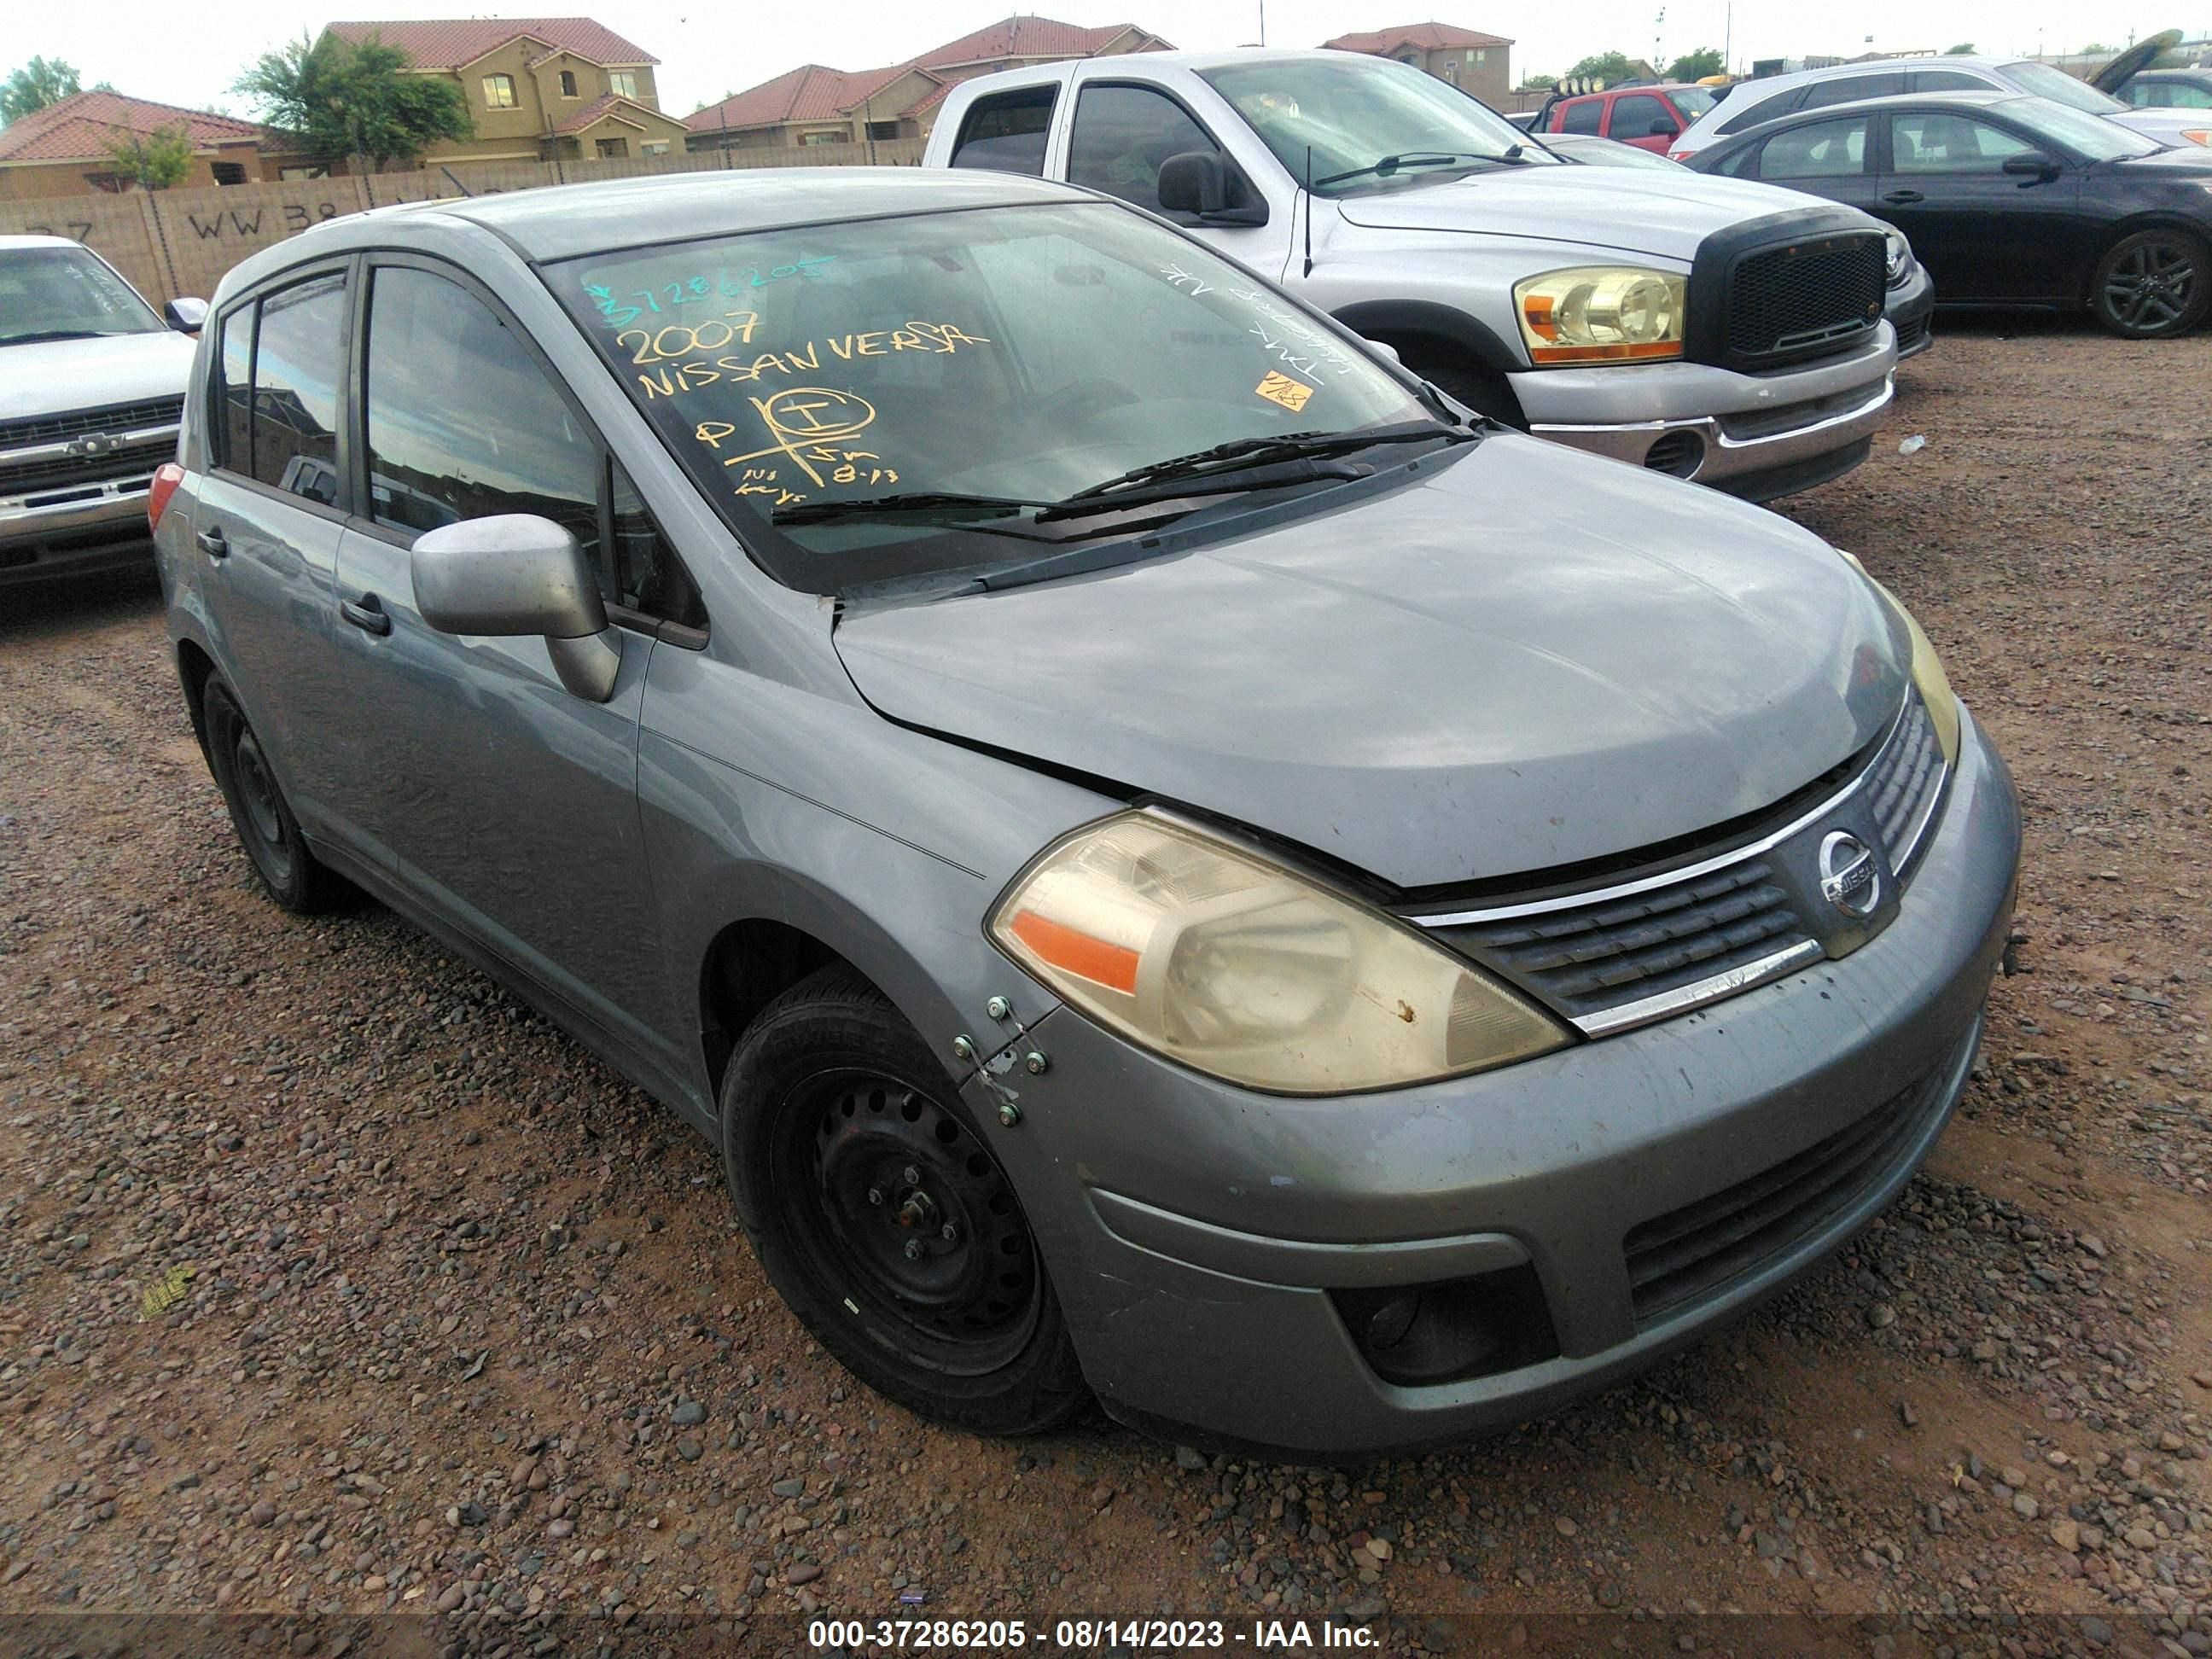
(613, 149)
(821, 137)
(622, 83)
(228, 172)
(653, 149)
(882, 129)
(1451, 70)
(499, 91)
(568, 84)
(1480, 55)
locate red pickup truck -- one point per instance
(1650, 118)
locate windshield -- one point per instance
(64, 293)
(1693, 101)
(1352, 114)
(2090, 136)
(2045, 81)
(1022, 354)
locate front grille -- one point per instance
(1904, 782)
(59, 472)
(1805, 299)
(1693, 1254)
(1591, 957)
(116, 417)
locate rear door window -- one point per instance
(279, 358)
(1634, 116)
(1947, 80)
(1818, 149)
(1850, 89)
(1580, 115)
(1006, 133)
(1122, 135)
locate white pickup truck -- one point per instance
(1702, 327)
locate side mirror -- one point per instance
(1200, 183)
(1664, 128)
(2034, 166)
(1384, 349)
(516, 573)
(185, 316)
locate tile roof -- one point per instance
(80, 127)
(814, 93)
(631, 111)
(1024, 36)
(452, 42)
(1429, 37)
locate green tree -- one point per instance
(1606, 66)
(336, 99)
(1696, 65)
(1964, 49)
(152, 161)
(41, 82)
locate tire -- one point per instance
(831, 1102)
(2151, 285)
(287, 872)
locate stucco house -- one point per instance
(1469, 59)
(64, 149)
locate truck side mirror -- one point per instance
(185, 316)
(1664, 128)
(1200, 183)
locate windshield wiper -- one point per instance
(1390, 164)
(57, 334)
(938, 502)
(1256, 452)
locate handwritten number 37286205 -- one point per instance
(619, 312)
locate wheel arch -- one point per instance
(1426, 318)
(194, 668)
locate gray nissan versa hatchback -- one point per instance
(1172, 865)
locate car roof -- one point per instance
(561, 222)
(1873, 66)
(1987, 98)
(8, 244)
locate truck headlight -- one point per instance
(1601, 314)
(1897, 258)
(1212, 955)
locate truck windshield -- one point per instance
(65, 294)
(1363, 123)
(882, 399)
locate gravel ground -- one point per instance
(462, 1325)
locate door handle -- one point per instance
(213, 543)
(1903, 197)
(367, 614)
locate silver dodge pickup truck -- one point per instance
(1728, 334)
(92, 384)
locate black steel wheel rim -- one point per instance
(912, 1217)
(257, 802)
(2151, 286)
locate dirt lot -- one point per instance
(470, 1330)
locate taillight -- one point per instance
(167, 478)
(1680, 154)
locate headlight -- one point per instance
(1898, 260)
(1235, 967)
(1927, 675)
(1599, 314)
(2197, 135)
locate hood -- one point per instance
(54, 377)
(2170, 126)
(2134, 60)
(2186, 163)
(1526, 658)
(1664, 214)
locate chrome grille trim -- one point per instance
(1647, 1009)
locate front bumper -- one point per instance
(1910, 309)
(1755, 436)
(76, 532)
(1196, 1231)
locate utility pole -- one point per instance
(1728, 42)
(1263, 22)
(1658, 30)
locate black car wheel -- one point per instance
(881, 1218)
(289, 872)
(2152, 284)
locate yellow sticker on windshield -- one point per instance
(1282, 389)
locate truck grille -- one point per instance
(1805, 299)
(51, 474)
(118, 417)
(1694, 1253)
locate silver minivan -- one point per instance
(1174, 864)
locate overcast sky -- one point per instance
(191, 55)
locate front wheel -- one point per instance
(2152, 284)
(883, 1221)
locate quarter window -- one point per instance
(279, 395)
(1950, 143)
(499, 91)
(1122, 135)
(1006, 134)
(1820, 149)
